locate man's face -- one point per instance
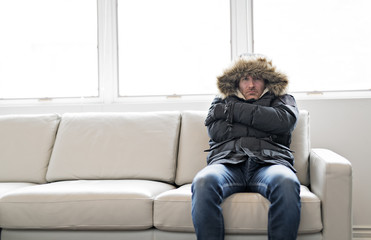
(251, 88)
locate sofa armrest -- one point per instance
(331, 181)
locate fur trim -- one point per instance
(257, 67)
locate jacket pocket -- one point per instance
(269, 144)
(274, 154)
(228, 156)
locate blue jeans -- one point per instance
(216, 182)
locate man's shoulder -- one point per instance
(286, 99)
(218, 99)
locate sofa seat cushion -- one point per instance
(10, 186)
(82, 204)
(243, 212)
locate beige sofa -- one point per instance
(128, 175)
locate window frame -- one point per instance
(189, 97)
(60, 99)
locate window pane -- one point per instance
(171, 47)
(48, 48)
(323, 45)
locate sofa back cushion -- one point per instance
(300, 144)
(116, 146)
(26, 143)
(194, 140)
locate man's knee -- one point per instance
(287, 180)
(205, 182)
(286, 184)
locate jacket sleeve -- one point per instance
(221, 130)
(280, 118)
(216, 111)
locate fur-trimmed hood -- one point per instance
(257, 67)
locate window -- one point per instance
(323, 45)
(176, 47)
(48, 49)
(169, 47)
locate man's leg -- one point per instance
(281, 187)
(210, 187)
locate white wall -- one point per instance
(343, 126)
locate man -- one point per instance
(250, 128)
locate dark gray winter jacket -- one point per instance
(258, 130)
